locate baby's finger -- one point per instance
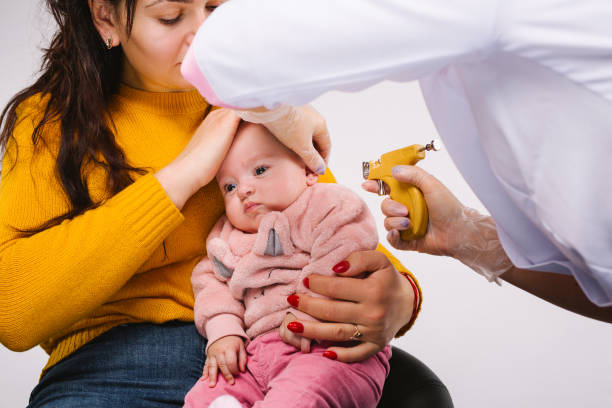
(282, 332)
(229, 378)
(212, 371)
(231, 361)
(305, 345)
(205, 370)
(242, 359)
(352, 354)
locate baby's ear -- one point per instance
(311, 177)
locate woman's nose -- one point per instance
(189, 38)
(200, 16)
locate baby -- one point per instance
(280, 226)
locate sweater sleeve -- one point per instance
(216, 312)
(252, 53)
(52, 279)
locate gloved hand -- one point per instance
(301, 129)
(454, 230)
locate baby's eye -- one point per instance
(229, 188)
(260, 170)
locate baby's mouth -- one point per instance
(250, 206)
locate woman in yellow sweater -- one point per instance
(105, 203)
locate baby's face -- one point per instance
(259, 175)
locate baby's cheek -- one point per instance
(232, 210)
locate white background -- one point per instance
(492, 346)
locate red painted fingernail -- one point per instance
(341, 267)
(294, 300)
(296, 327)
(330, 354)
(306, 282)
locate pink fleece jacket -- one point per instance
(241, 286)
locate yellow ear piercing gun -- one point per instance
(407, 194)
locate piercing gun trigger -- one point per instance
(407, 194)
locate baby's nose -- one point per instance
(245, 190)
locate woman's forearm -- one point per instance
(558, 289)
(54, 278)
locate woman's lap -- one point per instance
(154, 366)
(137, 365)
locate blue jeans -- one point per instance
(155, 365)
(136, 365)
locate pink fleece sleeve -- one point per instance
(216, 312)
(340, 223)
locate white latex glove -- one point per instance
(453, 230)
(301, 129)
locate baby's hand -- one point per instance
(228, 355)
(292, 338)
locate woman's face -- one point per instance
(161, 34)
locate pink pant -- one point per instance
(280, 376)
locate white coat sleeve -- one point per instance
(251, 53)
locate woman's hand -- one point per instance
(199, 161)
(377, 306)
(228, 355)
(294, 339)
(301, 129)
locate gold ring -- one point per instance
(357, 335)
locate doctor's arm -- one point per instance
(254, 53)
(258, 54)
(470, 237)
(558, 289)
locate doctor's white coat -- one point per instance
(520, 91)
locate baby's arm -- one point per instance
(216, 312)
(218, 317)
(227, 354)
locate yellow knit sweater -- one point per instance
(64, 286)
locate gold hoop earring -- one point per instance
(109, 43)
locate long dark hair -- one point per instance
(78, 78)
